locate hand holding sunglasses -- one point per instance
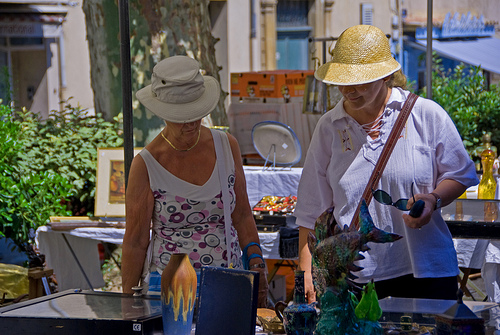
(384, 198)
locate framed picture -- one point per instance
(110, 182)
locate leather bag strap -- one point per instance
(384, 156)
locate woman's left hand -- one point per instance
(263, 287)
(425, 217)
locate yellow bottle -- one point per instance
(488, 185)
(486, 144)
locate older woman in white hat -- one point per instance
(189, 183)
(429, 156)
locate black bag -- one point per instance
(289, 242)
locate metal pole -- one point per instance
(323, 87)
(428, 58)
(128, 127)
(78, 262)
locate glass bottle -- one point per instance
(299, 318)
(486, 144)
(459, 210)
(488, 185)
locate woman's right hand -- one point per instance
(305, 264)
(309, 288)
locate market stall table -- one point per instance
(280, 182)
(85, 312)
(476, 240)
(77, 312)
(259, 183)
(84, 241)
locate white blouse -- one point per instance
(339, 163)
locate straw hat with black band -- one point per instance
(178, 92)
(361, 55)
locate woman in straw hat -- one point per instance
(184, 182)
(429, 157)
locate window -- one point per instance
(367, 13)
(292, 13)
(26, 41)
(292, 45)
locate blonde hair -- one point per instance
(397, 79)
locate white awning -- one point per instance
(482, 52)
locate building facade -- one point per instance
(44, 55)
(44, 51)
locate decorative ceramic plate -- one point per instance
(277, 143)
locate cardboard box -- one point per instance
(269, 86)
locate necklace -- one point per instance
(173, 146)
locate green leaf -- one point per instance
(48, 167)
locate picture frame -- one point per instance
(110, 182)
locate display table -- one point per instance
(281, 182)
(83, 242)
(478, 240)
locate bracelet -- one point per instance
(438, 200)
(252, 256)
(246, 259)
(259, 265)
(245, 249)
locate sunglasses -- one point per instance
(384, 198)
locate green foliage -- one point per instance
(5, 88)
(474, 108)
(27, 199)
(49, 167)
(66, 144)
(111, 271)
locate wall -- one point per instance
(347, 13)
(76, 61)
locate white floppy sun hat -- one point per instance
(361, 55)
(178, 92)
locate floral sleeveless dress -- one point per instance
(189, 218)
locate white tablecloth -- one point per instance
(483, 255)
(281, 182)
(84, 243)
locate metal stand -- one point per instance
(273, 150)
(273, 164)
